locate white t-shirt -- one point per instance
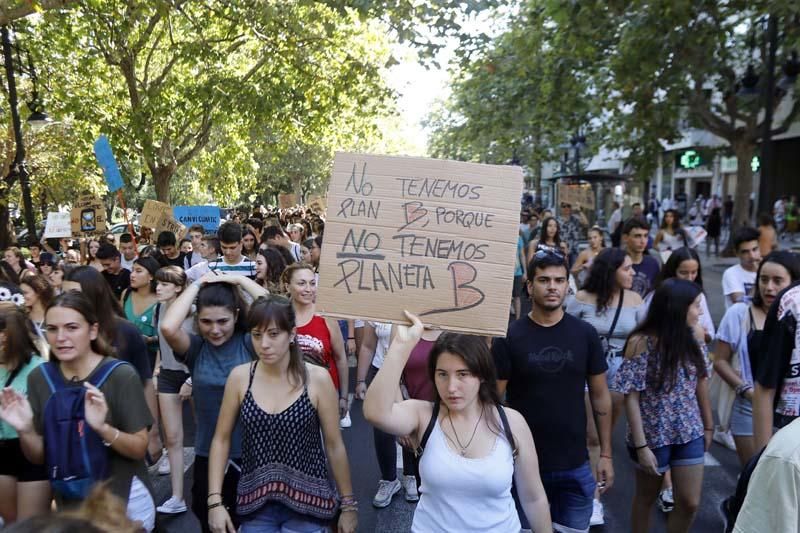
(245, 267)
(383, 330)
(127, 265)
(737, 279)
(616, 218)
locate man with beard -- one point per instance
(545, 361)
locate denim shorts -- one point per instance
(274, 517)
(571, 497)
(688, 454)
(742, 418)
(613, 365)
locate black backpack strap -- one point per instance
(428, 430)
(507, 430)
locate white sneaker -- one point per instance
(345, 422)
(172, 506)
(163, 464)
(597, 514)
(665, 501)
(386, 489)
(724, 438)
(410, 487)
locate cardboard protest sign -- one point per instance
(286, 201)
(168, 223)
(105, 157)
(318, 204)
(435, 237)
(205, 215)
(576, 195)
(58, 225)
(152, 213)
(88, 217)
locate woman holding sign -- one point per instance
(473, 446)
(320, 339)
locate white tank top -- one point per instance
(464, 494)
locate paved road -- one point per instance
(719, 481)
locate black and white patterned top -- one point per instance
(283, 459)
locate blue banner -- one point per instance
(105, 157)
(205, 215)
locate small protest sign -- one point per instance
(576, 195)
(437, 238)
(105, 157)
(205, 215)
(168, 223)
(58, 225)
(88, 217)
(286, 201)
(318, 204)
(152, 213)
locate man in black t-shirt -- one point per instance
(170, 253)
(544, 363)
(776, 397)
(117, 277)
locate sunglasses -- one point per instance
(542, 254)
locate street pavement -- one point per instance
(719, 479)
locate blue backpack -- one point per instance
(75, 454)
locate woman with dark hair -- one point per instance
(7, 273)
(47, 262)
(89, 252)
(139, 303)
(290, 434)
(607, 302)
(221, 344)
(24, 486)
(671, 235)
(249, 242)
(663, 378)
(314, 246)
(713, 230)
(270, 264)
(116, 411)
(739, 343)
(549, 239)
(56, 277)
(473, 447)
(38, 295)
(584, 261)
(684, 263)
(171, 376)
(124, 337)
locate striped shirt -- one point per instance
(245, 267)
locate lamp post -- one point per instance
(38, 118)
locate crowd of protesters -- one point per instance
(505, 434)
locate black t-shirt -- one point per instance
(130, 347)
(779, 365)
(118, 282)
(178, 261)
(547, 369)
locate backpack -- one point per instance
(75, 455)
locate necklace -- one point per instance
(475, 430)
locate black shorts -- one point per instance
(13, 463)
(516, 291)
(170, 381)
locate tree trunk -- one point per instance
(161, 179)
(5, 238)
(744, 183)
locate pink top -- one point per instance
(415, 374)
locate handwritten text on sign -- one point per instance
(435, 237)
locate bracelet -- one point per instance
(351, 338)
(210, 494)
(188, 381)
(637, 448)
(361, 381)
(708, 429)
(606, 456)
(349, 508)
(742, 389)
(215, 505)
(116, 436)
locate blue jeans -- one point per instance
(688, 454)
(571, 494)
(274, 517)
